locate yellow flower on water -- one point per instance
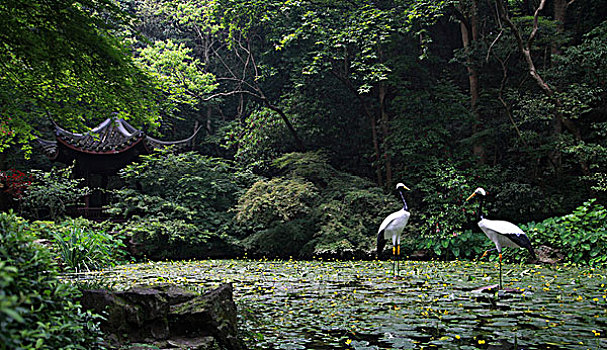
(458, 337)
(481, 341)
(348, 341)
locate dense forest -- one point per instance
(309, 113)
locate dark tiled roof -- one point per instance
(49, 148)
(110, 137)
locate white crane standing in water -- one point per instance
(392, 227)
(502, 233)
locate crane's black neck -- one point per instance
(480, 207)
(405, 207)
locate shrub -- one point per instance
(580, 235)
(311, 209)
(80, 244)
(176, 203)
(14, 182)
(467, 245)
(81, 248)
(37, 311)
(445, 212)
(50, 193)
(280, 199)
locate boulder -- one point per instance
(548, 255)
(168, 317)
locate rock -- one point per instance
(212, 314)
(168, 317)
(194, 343)
(422, 254)
(139, 314)
(548, 255)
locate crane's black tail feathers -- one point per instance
(522, 241)
(525, 243)
(381, 243)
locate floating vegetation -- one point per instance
(359, 305)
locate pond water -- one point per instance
(360, 305)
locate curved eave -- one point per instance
(111, 151)
(152, 144)
(49, 148)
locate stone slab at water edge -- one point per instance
(167, 317)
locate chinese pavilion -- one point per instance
(102, 152)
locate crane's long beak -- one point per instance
(406, 188)
(472, 195)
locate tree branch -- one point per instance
(535, 23)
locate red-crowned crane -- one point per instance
(502, 233)
(392, 227)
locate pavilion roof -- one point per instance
(112, 136)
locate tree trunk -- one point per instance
(375, 140)
(208, 122)
(385, 132)
(469, 31)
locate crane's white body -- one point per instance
(393, 225)
(501, 233)
(496, 231)
(392, 228)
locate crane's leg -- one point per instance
(398, 255)
(394, 260)
(500, 270)
(398, 259)
(487, 252)
(395, 254)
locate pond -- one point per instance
(359, 304)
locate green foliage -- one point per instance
(50, 193)
(312, 209)
(80, 244)
(349, 222)
(468, 245)
(257, 140)
(83, 245)
(64, 59)
(176, 73)
(586, 63)
(424, 132)
(444, 210)
(36, 310)
(177, 203)
(580, 236)
(285, 239)
(279, 199)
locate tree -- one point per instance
(350, 40)
(467, 13)
(525, 48)
(62, 59)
